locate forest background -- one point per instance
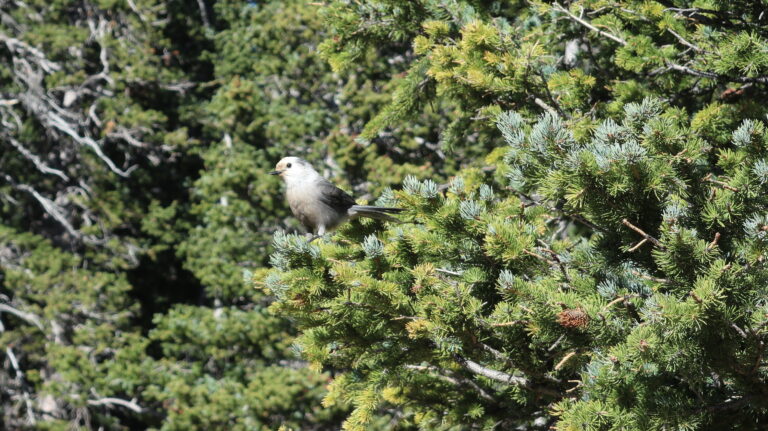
(586, 195)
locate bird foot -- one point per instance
(311, 237)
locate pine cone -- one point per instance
(573, 318)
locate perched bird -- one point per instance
(319, 205)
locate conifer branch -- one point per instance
(638, 245)
(510, 323)
(655, 241)
(650, 278)
(544, 106)
(670, 65)
(740, 331)
(586, 24)
(712, 244)
(683, 41)
(708, 178)
(557, 260)
(449, 377)
(564, 360)
(556, 343)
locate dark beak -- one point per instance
(275, 172)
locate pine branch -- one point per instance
(556, 257)
(683, 41)
(655, 241)
(588, 25)
(670, 65)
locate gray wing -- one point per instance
(335, 197)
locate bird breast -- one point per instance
(304, 199)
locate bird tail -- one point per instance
(374, 212)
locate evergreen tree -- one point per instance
(95, 98)
(601, 268)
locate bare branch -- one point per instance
(638, 245)
(496, 375)
(503, 377)
(204, 13)
(739, 330)
(26, 50)
(564, 360)
(59, 123)
(708, 178)
(39, 164)
(109, 401)
(20, 381)
(712, 244)
(449, 272)
(655, 241)
(683, 41)
(48, 205)
(648, 277)
(556, 343)
(448, 376)
(542, 104)
(23, 315)
(556, 257)
(136, 10)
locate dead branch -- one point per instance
(451, 378)
(23, 315)
(39, 164)
(109, 401)
(25, 50)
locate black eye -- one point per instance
(288, 165)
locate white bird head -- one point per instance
(294, 169)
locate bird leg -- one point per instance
(319, 234)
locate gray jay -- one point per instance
(319, 205)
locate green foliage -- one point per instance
(620, 263)
(605, 273)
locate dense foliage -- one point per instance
(584, 244)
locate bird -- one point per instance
(319, 205)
